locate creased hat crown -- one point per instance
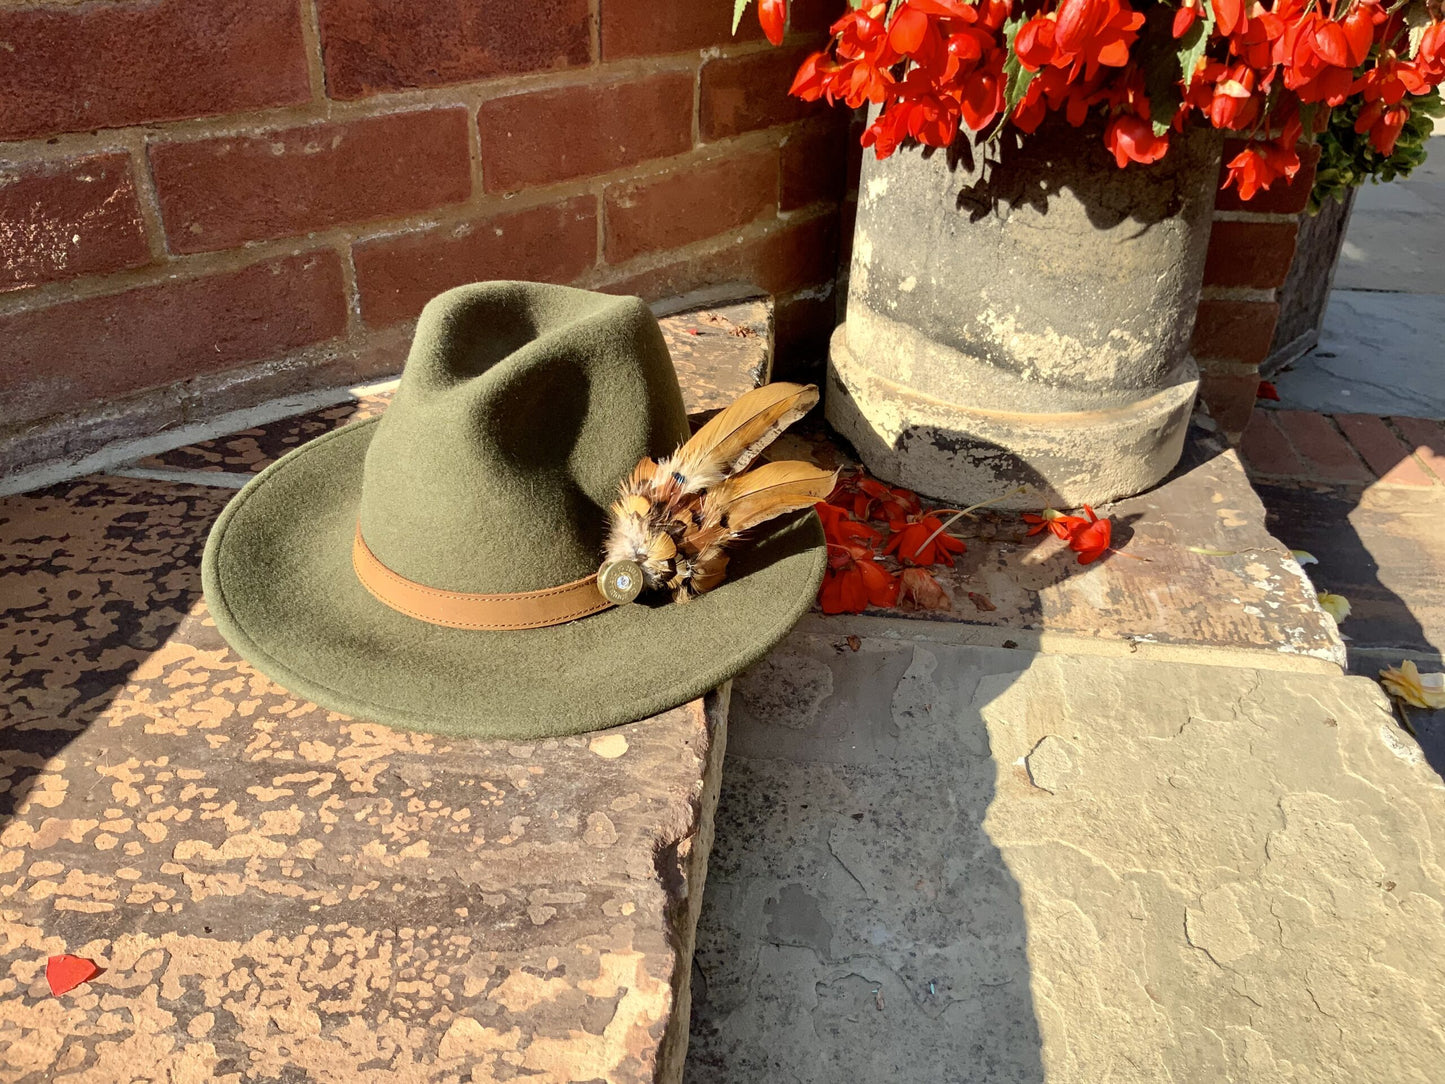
(520, 410)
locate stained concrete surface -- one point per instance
(943, 863)
(1381, 350)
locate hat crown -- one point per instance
(520, 410)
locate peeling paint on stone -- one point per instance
(278, 892)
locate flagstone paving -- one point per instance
(1365, 495)
(947, 863)
(1196, 571)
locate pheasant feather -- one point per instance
(735, 436)
(673, 520)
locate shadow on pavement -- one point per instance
(1377, 546)
(859, 923)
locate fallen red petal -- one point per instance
(1268, 391)
(65, 973)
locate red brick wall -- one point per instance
(1250, 252)
(193, 187)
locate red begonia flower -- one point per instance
(1131, 138)
(1260, 165)
(773, 17)
(912, 545)
(1093, 539)
(1056, 523)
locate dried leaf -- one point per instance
(854, 643)
(918, 590)
(981, 602)
(1414, 688)
(1337, 606)
(739, 6)
(65, 973)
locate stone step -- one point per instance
(273, 889)
(948, 863)
(276, 891)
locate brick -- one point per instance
(743, 93)
(1429, 440)
(646, 28)
(689, 204)
(1239, 331)
(787, 257)
(554, 135)
(1283, 197)
(397, 275)
(82, 66)
(373, 46)
(1230, 394)
(1326, 454)
(217, 193)
(1388, 456)
(815, 164)
(63, 219)
(1256, 254)
(103, 347)
(1267, 451)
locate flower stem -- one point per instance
(963, 512)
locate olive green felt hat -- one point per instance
(521, 409)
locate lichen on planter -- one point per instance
(1022, 316)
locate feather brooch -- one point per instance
(673, 520)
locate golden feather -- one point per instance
(673, 519)
(737, 434)
(745, 500)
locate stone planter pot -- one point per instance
(1024, 319)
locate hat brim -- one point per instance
(278, 580)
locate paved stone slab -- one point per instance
(946, 864)
(1383, 550)
(1395, 240)
(1201, 572)
(1379, 353)
(278, 892)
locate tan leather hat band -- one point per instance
(460, 610)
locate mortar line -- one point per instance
(148, 197)
(315, 57)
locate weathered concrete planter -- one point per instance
(1026, 320)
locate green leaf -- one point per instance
(739, 6)
(1155, 44)
(1016, 77)
(1193, 44)
(1307, 111)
